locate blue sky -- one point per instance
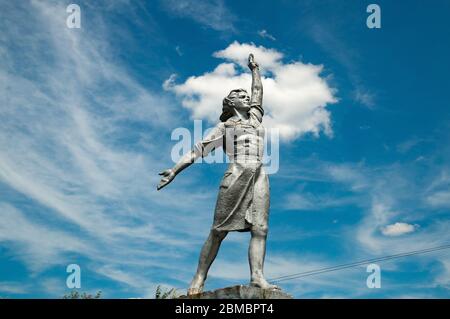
(86, 123)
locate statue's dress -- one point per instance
(244, 195)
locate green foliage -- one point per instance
(165, 294)
(76, 295)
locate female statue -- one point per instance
(243, 200)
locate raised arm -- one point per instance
(257, 88)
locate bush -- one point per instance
(165, 294)
(76, 295)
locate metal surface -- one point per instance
(243, 199)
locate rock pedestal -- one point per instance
(240, 292)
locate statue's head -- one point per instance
(238, 100)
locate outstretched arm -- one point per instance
(257, 88)
(213, 140)
(169, 174)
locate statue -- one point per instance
(243, 200)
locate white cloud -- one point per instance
(439, 199)
(268, 59)
(7, 287)
(438, 192)
(364, 97)
(326, 34)
(211, 13)
(264, 34)
(347, 174)
(300, 202)
(123, 277)
(39, 244)
(312, 202)
(443, 279)
(295, 94)
(398, 229)
(178, 50)
(409, 144)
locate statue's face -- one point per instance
(241, 101)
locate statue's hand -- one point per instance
(168, 176)
(251, 62)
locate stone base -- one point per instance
(240, 292)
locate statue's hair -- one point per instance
(227, 105)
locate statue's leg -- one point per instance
(259, 230)
(256, 254)
(207, 256)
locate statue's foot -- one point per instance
(196, 286)
(263, 284)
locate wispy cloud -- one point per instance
(77, 142)
(210, 13)
(438, 192)
(325, 32)
(384, 196)
(311, 202)
(264, 34)
(39, 244)
(439, 199)
(364, 97)
(7, 288)
(178, 50)
(409, 144)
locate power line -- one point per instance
(355, 264)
